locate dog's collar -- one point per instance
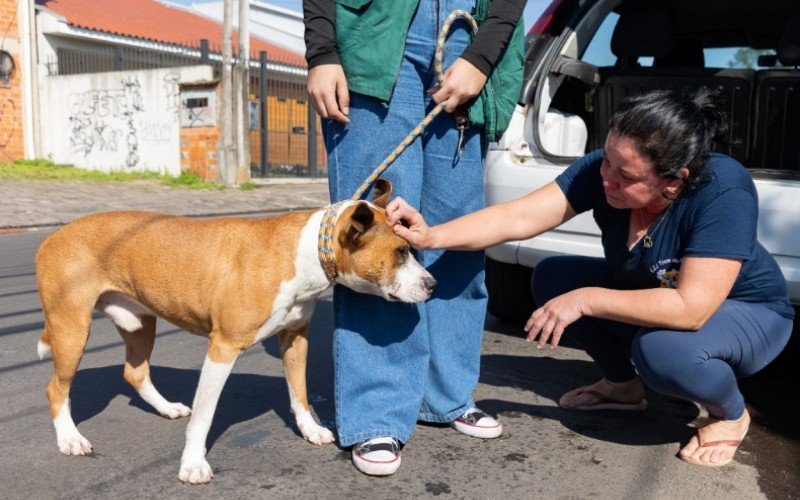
(327, 259)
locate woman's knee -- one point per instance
(663, 359)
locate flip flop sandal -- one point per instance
(606, 403)
(708, 444)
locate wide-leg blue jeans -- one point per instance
(398, 363)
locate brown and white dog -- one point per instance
(236, 281)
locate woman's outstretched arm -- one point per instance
(518, 219)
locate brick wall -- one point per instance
(199, 151)
(11, 139)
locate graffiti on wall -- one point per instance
(104, 120)
(115, 119)
(126, 120)
(162, 131)
(172, 92)
(8, 114)
(198, 108)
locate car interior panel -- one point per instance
(656, 45)
(776, 141)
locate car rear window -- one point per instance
(598, 52)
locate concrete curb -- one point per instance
(267, 213)
(266, 181)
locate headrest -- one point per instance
(686, 53)
(642, 31)
(789, 45)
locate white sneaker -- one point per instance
(378, 456)
(478, 424)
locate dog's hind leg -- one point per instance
(216, 368)
(67, 330)
(294, 352)
(138, 347)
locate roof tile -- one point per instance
(154, 21)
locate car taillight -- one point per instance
(542, 25)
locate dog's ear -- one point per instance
(361, 219)
(381, 192)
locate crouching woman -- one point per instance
(686, 299)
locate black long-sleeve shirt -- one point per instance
(483, 52)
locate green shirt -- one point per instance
(370, 39)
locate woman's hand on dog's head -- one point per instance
(409, 224)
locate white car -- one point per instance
(583, 57)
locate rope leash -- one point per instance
(325, 243)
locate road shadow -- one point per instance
(772, 397)
(773, 443)
(244, 397)
(665, 421)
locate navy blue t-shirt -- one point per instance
(718, 218)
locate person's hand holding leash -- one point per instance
(327, 87)
(409, 224)
(550, 320)
(462, 82)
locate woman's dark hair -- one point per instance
(673, 130)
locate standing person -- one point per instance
(685, 288)
(371, 79)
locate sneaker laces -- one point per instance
(389, 444)
(473, 416)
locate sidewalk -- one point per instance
(28, 204)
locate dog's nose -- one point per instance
(429, 283)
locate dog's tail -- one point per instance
(44, 344)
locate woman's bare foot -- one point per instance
(717, 442)
(605, 394)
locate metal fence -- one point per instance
(281, 141)
(287, 146)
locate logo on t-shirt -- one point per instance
(667, 277)
(666, 271)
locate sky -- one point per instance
(533, 9)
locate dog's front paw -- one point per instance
(195, 471)
(321, 435)
(175, 410)
(74, 444)
(313, 432)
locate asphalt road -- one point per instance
(256, 451)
